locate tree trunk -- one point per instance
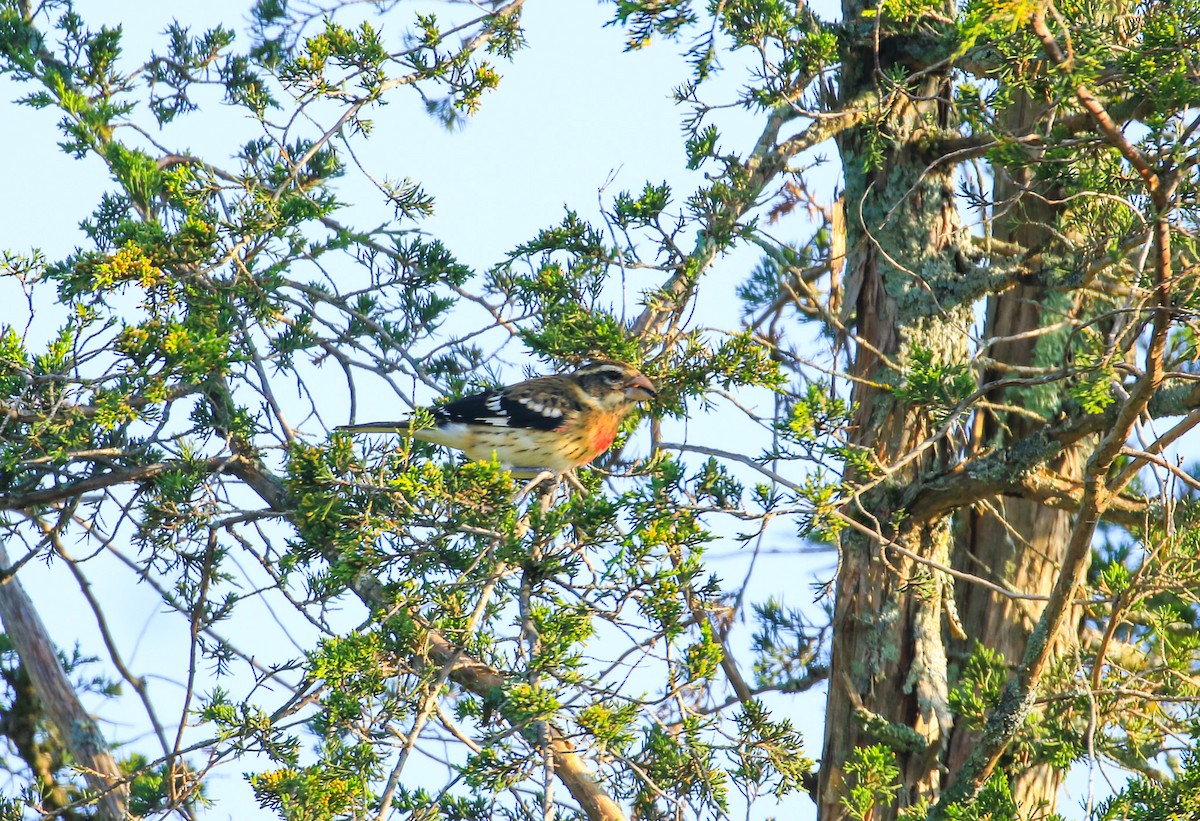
(888, 682)
(889, 666)
(1015, 542)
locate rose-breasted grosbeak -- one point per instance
(554, 422)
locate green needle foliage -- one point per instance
(935, 323)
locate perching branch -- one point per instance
(76, 728)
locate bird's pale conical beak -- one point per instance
(640, 389)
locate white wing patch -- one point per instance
(494, 405)
(537, 407)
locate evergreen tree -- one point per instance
(981, 367)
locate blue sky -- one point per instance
(573, 114)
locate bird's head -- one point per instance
(616, 386)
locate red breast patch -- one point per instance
(606, 432)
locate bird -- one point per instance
(558, 422)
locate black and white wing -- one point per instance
(544, 403)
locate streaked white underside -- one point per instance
(513, 447)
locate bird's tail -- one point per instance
(403, 426)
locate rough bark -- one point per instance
(888, 676)
(1016, 542)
